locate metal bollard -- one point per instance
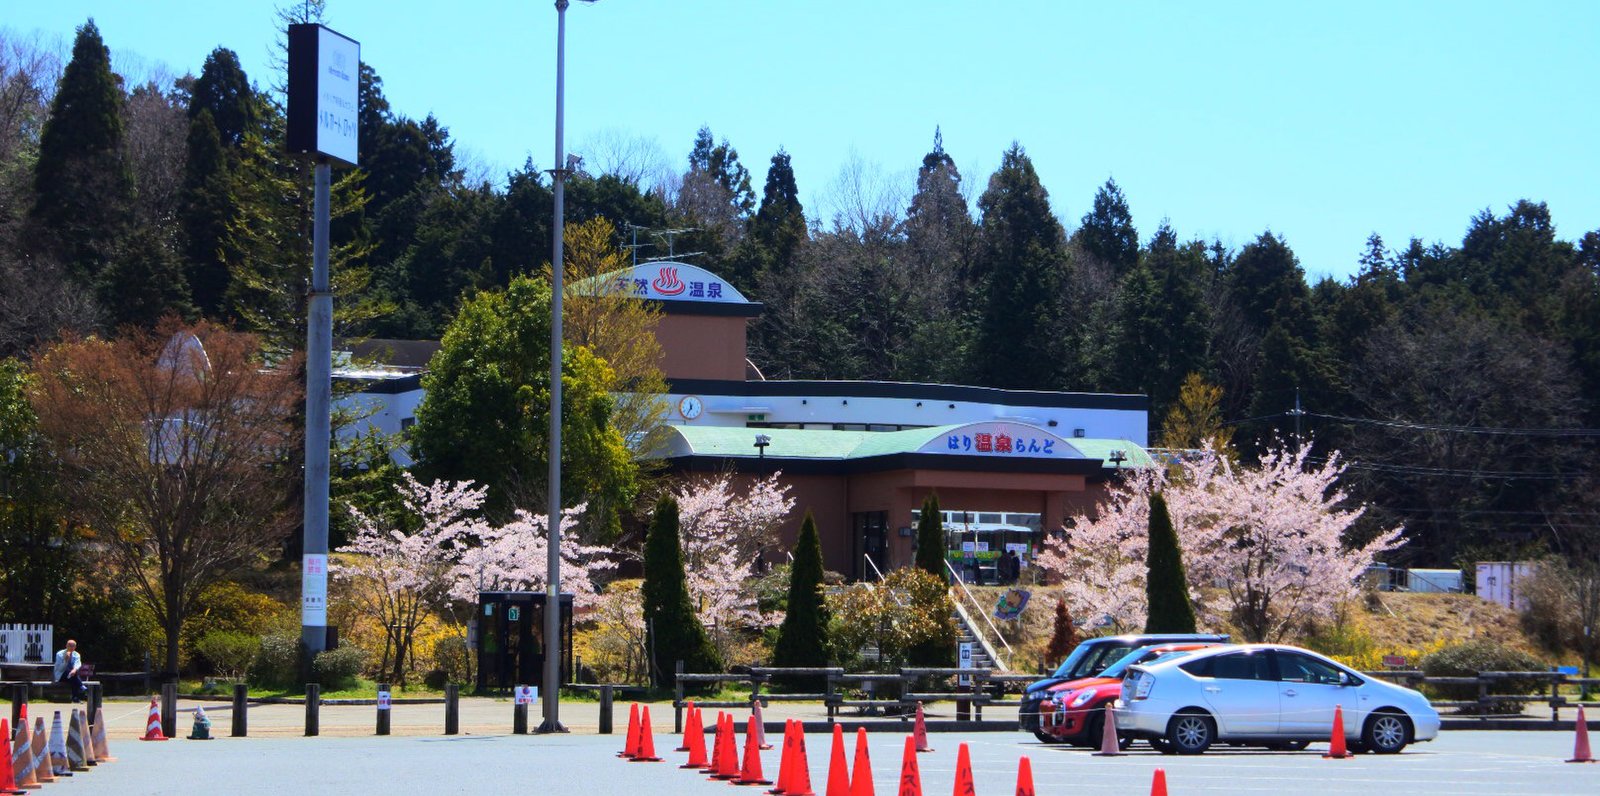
(452, 709)
(519, 720)
(313, 709)
(19, 698)
(605, 709)
(169, 709)
(241, 703)
(383, 708)
(94, 697)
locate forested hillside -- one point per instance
(1461, 378)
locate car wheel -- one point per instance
(1386, 733)
(1191, 732)
(1161, 745)
(1288, 746)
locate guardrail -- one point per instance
(1548, 690)
(994, 654)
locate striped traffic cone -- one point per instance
(41, 755)
(58, 748)
(102, 750)
(152, 726)
(22, 757)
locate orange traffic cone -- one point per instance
(694, 740)
(714, 764)
(691, 720)
(726, 759)
(152, 726)
(646, 752)
(838, 771)
(800, 772)
(630, 744)
(41, 755)
(861, 772)
(761, 727)
(750, 772)
(1024, 777)
(1336, 747)
(963, 772)
(8, 778)
(1158, 783)
(1108, 735)
(910, 777)
(785, 760)
(22, 764)
(920, 731)
(1580, 746)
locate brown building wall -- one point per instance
(702, 346)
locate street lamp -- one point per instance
(762, 441)
(552, 602)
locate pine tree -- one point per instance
(1107, 232)
(803, 636)
(1160, 331)
(930, 538)
(1021, 258)
(939, 236)
(673, 631)
(1063, 637)
(779, 226)
(83, 191)
(223, 90)
(206, 208)
(1166, 586)
(144, 282)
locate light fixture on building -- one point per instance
(762, 441)
(1118, 456)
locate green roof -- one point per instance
(818, 444)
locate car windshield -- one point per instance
(1092, 661)
(1145, 655)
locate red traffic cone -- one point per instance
(919, 730)
(726, 759)
(715, 763)
(761, 727)
(694, 741)
(750, 772)
(1336, 747)
(785, 760)
(8, 778)
(861, 772)
(1158, 783)
(646, 752)
(910, 776)
(630, 744)
(1108, 735)
(963, 772)
(152, 726)
(1580, 745)
(1024, 777)
(800, 772)
(838, 770)
(689, 720)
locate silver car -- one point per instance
(1267, 694)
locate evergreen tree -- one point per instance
(223, 90)
(206, 208)
(674, 632)
(1063, 637)
(144, 282)
(1160, 333)
(1166, 586)
(83, 192)
(803, 636)
(930, 538)
(939, 236)
(1107, 232)
(1021, 273)
(779, 227)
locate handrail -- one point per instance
(874, 564)
(1010, 653)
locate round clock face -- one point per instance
(690, 407)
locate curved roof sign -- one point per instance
(663, 281)
(992, 438)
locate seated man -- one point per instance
(68, 662)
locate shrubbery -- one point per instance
(1469, 658)
(907, 614)
(230, 654)
(278, 662)
(338, 669)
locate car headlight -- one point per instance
(1060, 697)
(1082, 698)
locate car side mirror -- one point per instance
(1344, 679)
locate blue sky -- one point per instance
(1323, 122)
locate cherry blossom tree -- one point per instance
(723, 533)
(1264, 544)
(513, 557)
(398, 570)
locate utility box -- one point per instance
(27, 644)
(1504, 582)
(510, 639)
(1447, 581)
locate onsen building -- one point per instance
(861, 456)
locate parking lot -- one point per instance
(1463, 762)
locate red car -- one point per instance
(1074, 712)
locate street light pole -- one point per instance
(552, 599)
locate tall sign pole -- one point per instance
(324, 69)
(552, 597)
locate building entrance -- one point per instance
(977, 543)
(871, 535)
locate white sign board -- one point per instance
(994, 438)
(324, 91)
(966, 663)
(383, 700)
(663, 281)
(525, 694)
(314, 590)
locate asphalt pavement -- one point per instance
(1462, 762)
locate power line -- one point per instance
(1506, 432)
